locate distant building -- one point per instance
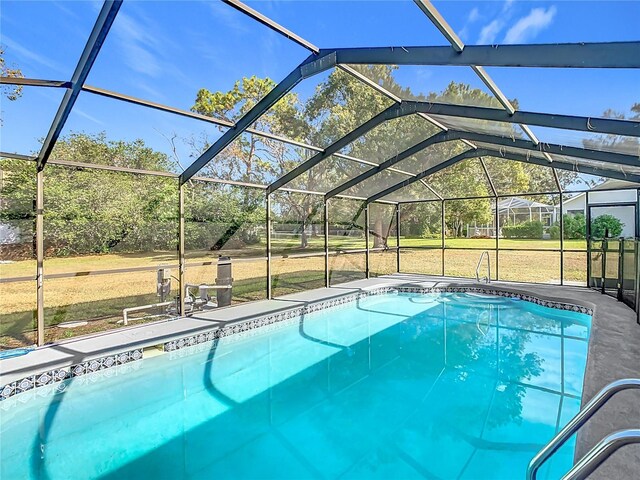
(607, 193)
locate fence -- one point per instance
(76, 254)
(614, 269)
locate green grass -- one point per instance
(101, 298)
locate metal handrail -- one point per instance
(488, 277)
(578, 421)
(603, 450)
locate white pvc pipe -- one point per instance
(126, 311)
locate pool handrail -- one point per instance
(488, 277)
(578, 421)
(603, 450)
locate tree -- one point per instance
(96, 211)
(10, 92)
(606, 226)
(616, 143)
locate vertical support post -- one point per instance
(603, 279)
(588, 238)
(398, 237)
(636, 287)
(443, 227)
(637, 211)
(268, 234)
(559, 185)
(366, 240)
(497, 232)
(40, 256)
(326, 243)
(181, 262)
(636, 246)
(620, 267)
(562, 239)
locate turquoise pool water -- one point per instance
(391, 386)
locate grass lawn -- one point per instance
(101, 298)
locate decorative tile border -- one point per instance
(249, 327)
(59, 375)
(59, 387)
(255, 326)
(501, 293)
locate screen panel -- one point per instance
(17, 253)
(45, 39)
(594, 141)
(423, 261)
(463, 263)
(111, 132)
(346, 224)
(531, 266)
(470, 223)
(390, 138)
(461, 180)
(323, 108)
(25, 121)
(297, 223)
(529, 222)
(421, 224)
(380, 23)
(512, 177)
(178, 55)
(346, 267)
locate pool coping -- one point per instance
(20, 380)
(613, 325)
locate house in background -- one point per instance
(617, 197)
(514, 210)
(607, 193)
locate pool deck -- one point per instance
(614, 348)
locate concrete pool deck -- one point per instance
(614, 347)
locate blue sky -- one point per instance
(166, 51)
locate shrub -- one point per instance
(604, 224)
(428, 233)
(575, 226)
(533, 229)
(554, 231)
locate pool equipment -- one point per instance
(197, 296)
(163, 290)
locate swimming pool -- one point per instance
(400, 385)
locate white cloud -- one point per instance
(139, 45)
(528, 27)
(28, 56)
(83, 114)
(489, 32)
(507, 5)
(474, 15)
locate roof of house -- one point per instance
(517, 202)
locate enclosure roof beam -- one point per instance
(486, 152)
(441, 24)
(556, 55)
(98, 35)
(566, 122)
(34, 82)
(430, 171)
(437, 138)
(458, 45)
(312, 65)
(18, 156)
(586, 153)
(603, 125)
(394, 111)
(451, 135)
(489, 179)
(263, 19)
(600, 172)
